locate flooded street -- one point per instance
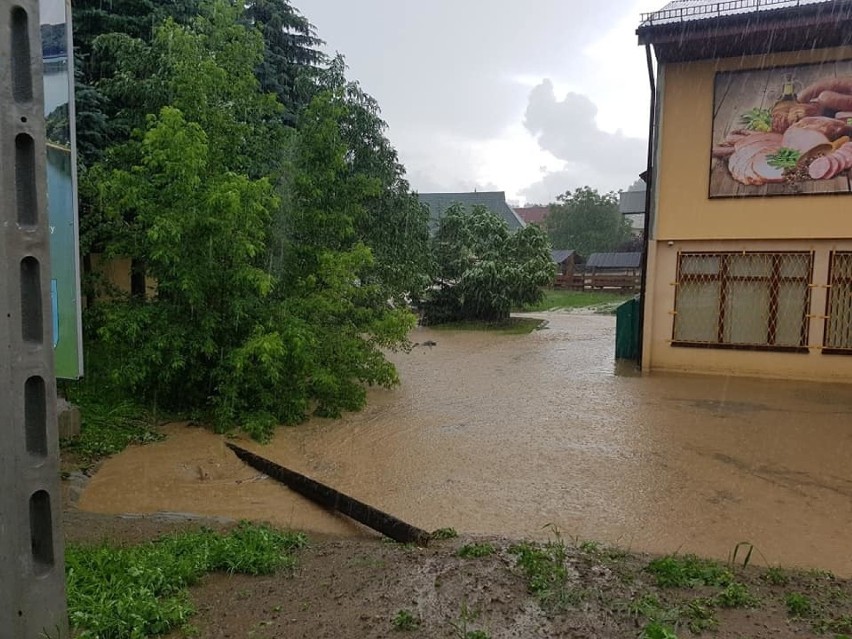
(502, 434)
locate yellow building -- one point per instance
(749, 260)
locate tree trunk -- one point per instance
(330, 498)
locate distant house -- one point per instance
(533, 214)
(613, 271)
(494, 201)
(631, 204)
(565, 261)
(568, 264)
(614, 262)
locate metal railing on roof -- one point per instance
(695, 12)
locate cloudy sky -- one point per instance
(532, 98)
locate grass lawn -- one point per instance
(554, 299)
(511, 326)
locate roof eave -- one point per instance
(786, 29)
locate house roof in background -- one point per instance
(559, 256)
(630, 202)
(614, 260)
(533, 214)
(494, 201)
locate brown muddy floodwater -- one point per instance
(504, 435)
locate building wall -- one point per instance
(686, 220)
(810, 365)
(115, 273)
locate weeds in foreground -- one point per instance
(602, 552)
(649, 606)
(445, 533)
(799, 605)
(776, 576)
(698, 615)
(590, 547)
(140, 591)
(736, 595)
(190, 632)
(547, 576)
(735, 557)
(841, 625)
(461, 626)
(404, 621)
(688, 571)
(475, 551)
(655, 630)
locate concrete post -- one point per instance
(32, 576)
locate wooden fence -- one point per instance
(624, 281)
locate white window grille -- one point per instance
(838, 324)
(755, 300)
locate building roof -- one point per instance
(630, 202)
(494, 201)
(614, 260)
(533, 214)
(559, 256)
(689, 10)
(686, 30)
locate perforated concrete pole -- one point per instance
(32, 579)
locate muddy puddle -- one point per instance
(506, 435)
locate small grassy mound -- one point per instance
(555, 299)
(476, 551)
(140, 591)
(510, 326)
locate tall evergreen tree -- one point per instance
(290, 55)
(394, 224)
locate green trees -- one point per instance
(290, 53)
(587, 221)
(482, 270)
(392, 221)
(202, 234)
(273, 248)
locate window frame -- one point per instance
(774, 281)
(826, 349)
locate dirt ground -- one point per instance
(350, 588)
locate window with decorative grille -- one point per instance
(838, 325)
(754, 300)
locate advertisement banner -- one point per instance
(782, 131)
(62, 186)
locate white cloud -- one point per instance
(568, 129)
(454, 79)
